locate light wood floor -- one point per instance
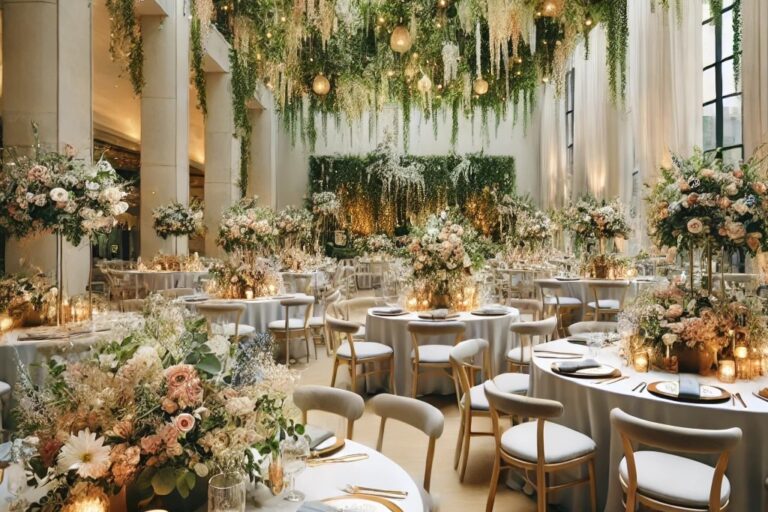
(408, 447)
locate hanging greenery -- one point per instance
(125, 44)
(737, 42)
(198, 52)
(458, 55)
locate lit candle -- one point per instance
(726, 371)
(89, 505)
(6, 323)
(640, 361)
(249, 294)
(412, 303)
(271, 289)
(740, 352)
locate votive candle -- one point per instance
(640, 361)
(249, 294)
(740, 352)
(726, 371)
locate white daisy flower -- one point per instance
(86, 454)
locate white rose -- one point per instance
(59, 195)
(669, 339)
(112, 195)
(119, 208)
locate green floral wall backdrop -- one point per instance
(381, 192)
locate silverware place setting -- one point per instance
(373, 491)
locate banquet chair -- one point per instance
(132, 305)
(552, 298)
(356, 310)
(292, 329)
(433, 358)
(352, 353)
(464, 360)
(340, 402)
(660, 480)
(5, 395)
(417, 414)
(317, 323)
(531, 307)
(175, 293)
(518, 359)
(602, 307)
(592, 326)
(224, 319)
(540, 446)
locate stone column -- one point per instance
(47, 79)
(164, 121)
(262, 179)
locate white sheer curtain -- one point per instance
(553, 174)
(755, 73)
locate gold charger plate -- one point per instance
(711, 394)
(385, 504)
(385, 312)
(427, 316)
(480, 312)
(329, 450)
(603, 371)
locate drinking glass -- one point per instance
(226, 493)
(595, 343)
(294, 453)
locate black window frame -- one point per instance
(569, 117)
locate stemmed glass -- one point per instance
(226, 493)
(294, 453)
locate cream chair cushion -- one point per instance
(513, 382)
(293, 324)
(674, 479)
(228, 329)
(605, 304)
(364, 349)
(314, 323)
(514, 355)
(433, 353)
(564, 301)
(560, 443)
(5, 388)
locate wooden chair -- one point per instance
(538, 446)
(175, 293)
(292, 329)
(336, 401)
(417, 414)
(352, 353)
(604, 308)
(531, 307)
(553, 299)
(317, 323)
(519, 358)
(660, 480)
(433, 358)
(223, 318)
(132, 305)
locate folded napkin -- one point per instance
(438, 314)
(388, 310)
(578, 340)
(574, 366)
(494, 309)
(317, 435)
(688, 387)
(316, 506)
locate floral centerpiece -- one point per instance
(326, 204)
(247, 226)
(592, 221)
(27, 298)
(377, 243)
(534, 229)
(294, 226)
(176, 219)
(154, 411)
(234, 277)
(295, 259)
(510, 209)
(606, 266)
(174, 263)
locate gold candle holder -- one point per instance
(640, 360)
(726, 371)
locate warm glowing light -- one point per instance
(320, 85)
(480, 86)
(424, 85)
(726, 371)
(740, 352)
(400, 41)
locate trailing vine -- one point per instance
(737, 42)
(243, 90)
(198, 53)
(125, 44)
(617, 34)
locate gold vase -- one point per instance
(276, 476)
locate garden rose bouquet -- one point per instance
(22, 292)
(154, 410)
(294, 225)
(326, 204)
(592, 220)
(247, 226)
(702, 200)
(176, 219)
(534, 228)
(235, 275)
(374, 244)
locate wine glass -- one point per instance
(294, 453)
(226, 492)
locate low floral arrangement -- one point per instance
(701, 200)
(174, 263)
(591, 220)
(326, 204)
(374, 244)
(606, 266)
(154, 411)
(247, 226)
(235, 276)
(671, 317)
(295, 259)
(294, 225)
(53, 191)
(23, 293)
(176, 219)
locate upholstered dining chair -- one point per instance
(660, 480)
(340, 402)
(592, 326)
(132, 305)
(292, 329)
(519, 358)
(435, 357)
(356, 310)
(554, 299)
(354, 353)
(603, 307)
(224, 318)
(531, 307)
(468, 358)
(417, 414)
(317, 323)
(175, 293)
(539, 446)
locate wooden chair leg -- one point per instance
(335, 371)
(415, 380)
(392, 387)
(353, 367)
(541, 491)
(593, 485)
(287, 351)
(459, 443)
(467, 440)
(494, 483)
(307, 337)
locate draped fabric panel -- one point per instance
(553, 176)
(755, 73)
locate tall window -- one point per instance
(722, 94)
(569, 125)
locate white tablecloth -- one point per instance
(587, 408)
(156, 280)
(303, 282)
(580, 290)
(393, 331)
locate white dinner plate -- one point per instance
(362, 503)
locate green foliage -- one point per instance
(126, 43)
(617, 34)
(198, 52)
(737, 42)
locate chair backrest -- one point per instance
(220, 313)
(174, 293)
(305, 301)
(599, 288)
(339, 330)
(543, 328)
(356, 309)
(527, 306)
(334, 400)
(131, 305)
(592, 326)
(421, 330)
(415, 413)
(678, 439)
(464, 362)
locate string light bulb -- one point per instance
(400, 41)
(480, 86)
(588, 21)
(320, 85)
(424, 85)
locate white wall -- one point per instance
(292, 162)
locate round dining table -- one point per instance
(302, 282)
(588, 405)
(156, 280)
(259, 311)
(393, 331)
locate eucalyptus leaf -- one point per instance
(164, 481)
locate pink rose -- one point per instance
(179, 375)
(738, 173)
(169, 406)
(735, 230)
(674, 311)
(753, 241)
(151, 444)
(184, 422)
(683, 185)
(759, 187)
(695, 226)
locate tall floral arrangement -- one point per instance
(294, 225)
(177, 219)
(235, 275)
(593, 220)
(247, 226)
(326, 205)
(702, 200)
(534, 229)
(156, 410)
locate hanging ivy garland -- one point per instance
(125, 44)
(198, 52)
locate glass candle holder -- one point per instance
(726, 371)
(640, 360)
(226, 493)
